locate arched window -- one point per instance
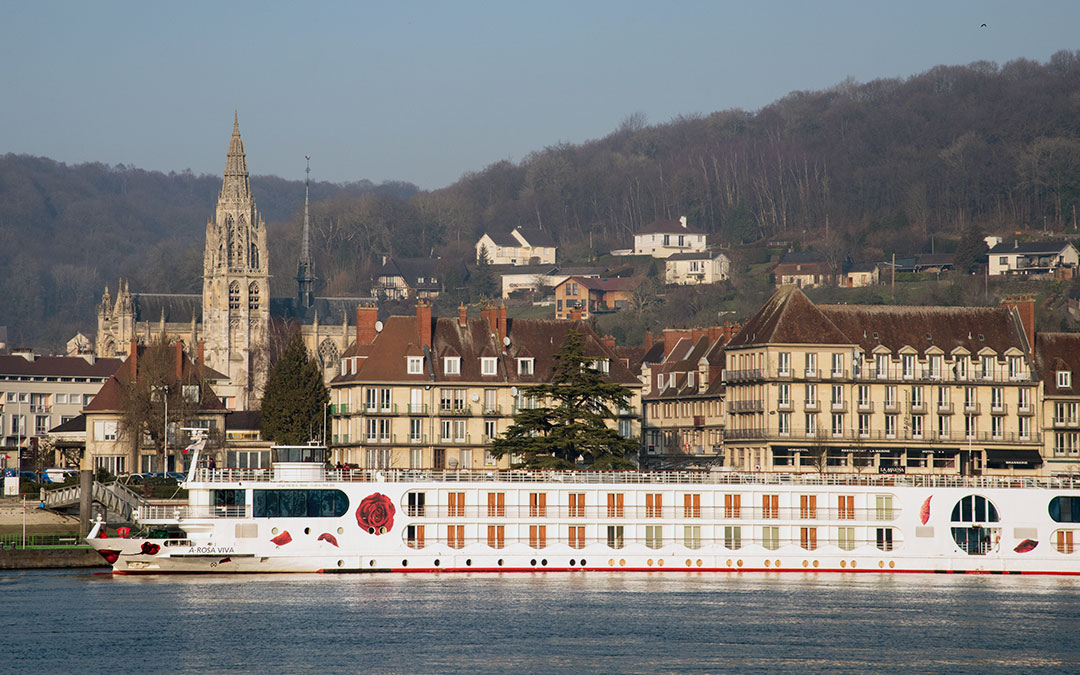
(328, 353)
(253, 259)
(234, 295)
(974, 525)
(253, 296)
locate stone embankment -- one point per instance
(13, 516)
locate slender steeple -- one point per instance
(236, 187)
(305, 278)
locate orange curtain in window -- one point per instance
(692, 506)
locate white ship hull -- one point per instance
(366, 521)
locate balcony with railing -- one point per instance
(865, 406)
(838, 406)
(746, 406)
(959, 438)
(785, 405)
(746, 375)
(999, 409)
(1026, 410)
(416, 408)
(812, 406)
(491, 410)
(945, 408)
(972, 408)
(456, 411)
(1066, 421)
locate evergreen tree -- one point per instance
(295, 399)
(572, 420)
(970, 251)
(484, 284)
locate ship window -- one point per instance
(973, 517)
(415, 505)
(1065, 509)
(227, 497)
(300, 504)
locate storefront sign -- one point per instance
(892, 469)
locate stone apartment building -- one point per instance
(1058, 358)
(38, 393)
(949, 390)
(423, 392)
(683, 398)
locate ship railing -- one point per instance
(674, 477)
(181, 511)
(649, 515)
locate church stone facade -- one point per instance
(233, 317)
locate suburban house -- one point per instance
(857, 275)
(421, 392)
(590, 295)
(522, 246)
(663, 238)
(696, 267)
(804, 269)
(529, 277)
(1031, 257)
(403, 278)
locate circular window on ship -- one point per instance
(974, 525)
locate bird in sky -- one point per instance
(983, 26)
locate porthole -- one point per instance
(341, 530)
(543, 563)
(767, 563)
(500, 562)
(622, 562)
(571, 562)
(307, 530)
(729, 562)
(611, 562)
(1065, 509)
(843, 563)
(340, 563)
(776, 563)
(274, 531)
(738, 563)
(854, 563)
(533, 562)
(468, 563)
(881, 564)
(689, 562)
(436, 562)
(371, 563)
(892, 564)
(815, 563)
(649, 562)
(974, 520)
(583, 562)
(699, 562)
(806, 563)
(404, 563)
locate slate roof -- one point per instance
(246, 420)
(503, 239)
(695, 255)
(683, 358)
(1044, 247)
(1054, 352)
(607, 284)
(668, 227)
(790, 318)
(110, 397)
(177, 307)
(74, 425)
(384, 360)
(411, 269)
(536, 237)
(57, 366)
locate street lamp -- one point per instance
(163, 391)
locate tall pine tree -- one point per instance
(572, 420)
(295, 398)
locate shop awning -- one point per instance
(1013, 457)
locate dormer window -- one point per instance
(416, 365)
(601, 365)
(488, 365)
(1064, 379)
(452, 365)
(525, 366)
(1015, 366)
(690, 379)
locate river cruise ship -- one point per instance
(302, 516)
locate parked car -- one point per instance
(58, 475)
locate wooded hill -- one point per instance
(861, 169)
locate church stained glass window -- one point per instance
(234, 295)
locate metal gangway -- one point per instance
(121, 504)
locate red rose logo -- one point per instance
(150, 548)
(375, 514)
(109, 555)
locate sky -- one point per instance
(427, 91)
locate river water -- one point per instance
(79, 621)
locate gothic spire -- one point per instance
(305, 279)
(236, 185)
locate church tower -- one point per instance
(236, 285)
(305, 277)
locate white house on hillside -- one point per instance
(704, 267)
(522, 246)
(663, 238)
(1031, 257)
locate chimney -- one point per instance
(575, 314)
(462, 315)
(682, 221)
(201, 354)
(608, 341)
(1025, 308)
(500, 323)
(27, 354)
(133, 358)
(423, 323)
(648, 340)
(178, 346)
(366, 317)
(488, 314)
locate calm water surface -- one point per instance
(75, 621)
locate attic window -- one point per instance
(344, 366)
(452, 365)
(875, 335)
(1064, 379)
(525, 366)
(929, 338)
(690, 379)
(416, 365)
(487, 365)
(981, 338)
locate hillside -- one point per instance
(866, 170)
